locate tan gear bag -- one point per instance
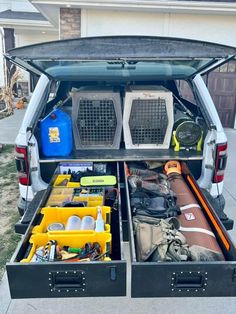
(159, 240)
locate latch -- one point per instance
(113, 274)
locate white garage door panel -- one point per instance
(214, 28)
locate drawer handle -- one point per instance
(67, 280)
(189, 280)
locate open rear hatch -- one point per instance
(190, 56)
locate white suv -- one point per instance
(125, 65)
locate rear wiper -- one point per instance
(121, 65)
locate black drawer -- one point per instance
(70, 279)
(190, 279)
(183, 279)
(53, 280)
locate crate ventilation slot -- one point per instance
(148, 119)
(97, 120)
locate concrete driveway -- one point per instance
(126, 304)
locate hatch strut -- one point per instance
(22, 64)
(216, 65)
(40, 70)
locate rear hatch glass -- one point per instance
(120, 56)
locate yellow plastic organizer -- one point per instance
(59, 195)
(61, 215)
(61, 177)
(75, 240)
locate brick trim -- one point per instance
(70, 23)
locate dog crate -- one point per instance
(148, 119)
(97, 119)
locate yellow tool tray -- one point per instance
(61, 215)
(59, 195)
(61, 177)
(75, 240)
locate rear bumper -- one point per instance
(227, 222)
(22, 225)
(22, 205)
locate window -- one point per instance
(185, 91)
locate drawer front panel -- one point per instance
(55, 280)
(183, 280)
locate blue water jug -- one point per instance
(56, 134)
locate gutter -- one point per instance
(25, 23)
(201, 7)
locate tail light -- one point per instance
(22, 165)
(220, 162)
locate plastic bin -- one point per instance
(61, 177)
(61, 215)
(59, 195)
(75, 240)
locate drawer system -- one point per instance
(106, 276)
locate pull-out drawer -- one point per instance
(70, 279)
(188, 278)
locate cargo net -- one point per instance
(96, 122)
(148, 121)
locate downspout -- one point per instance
(4, 61)
(9, 42)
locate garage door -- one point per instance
(222, 86)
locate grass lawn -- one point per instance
(8, 205)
